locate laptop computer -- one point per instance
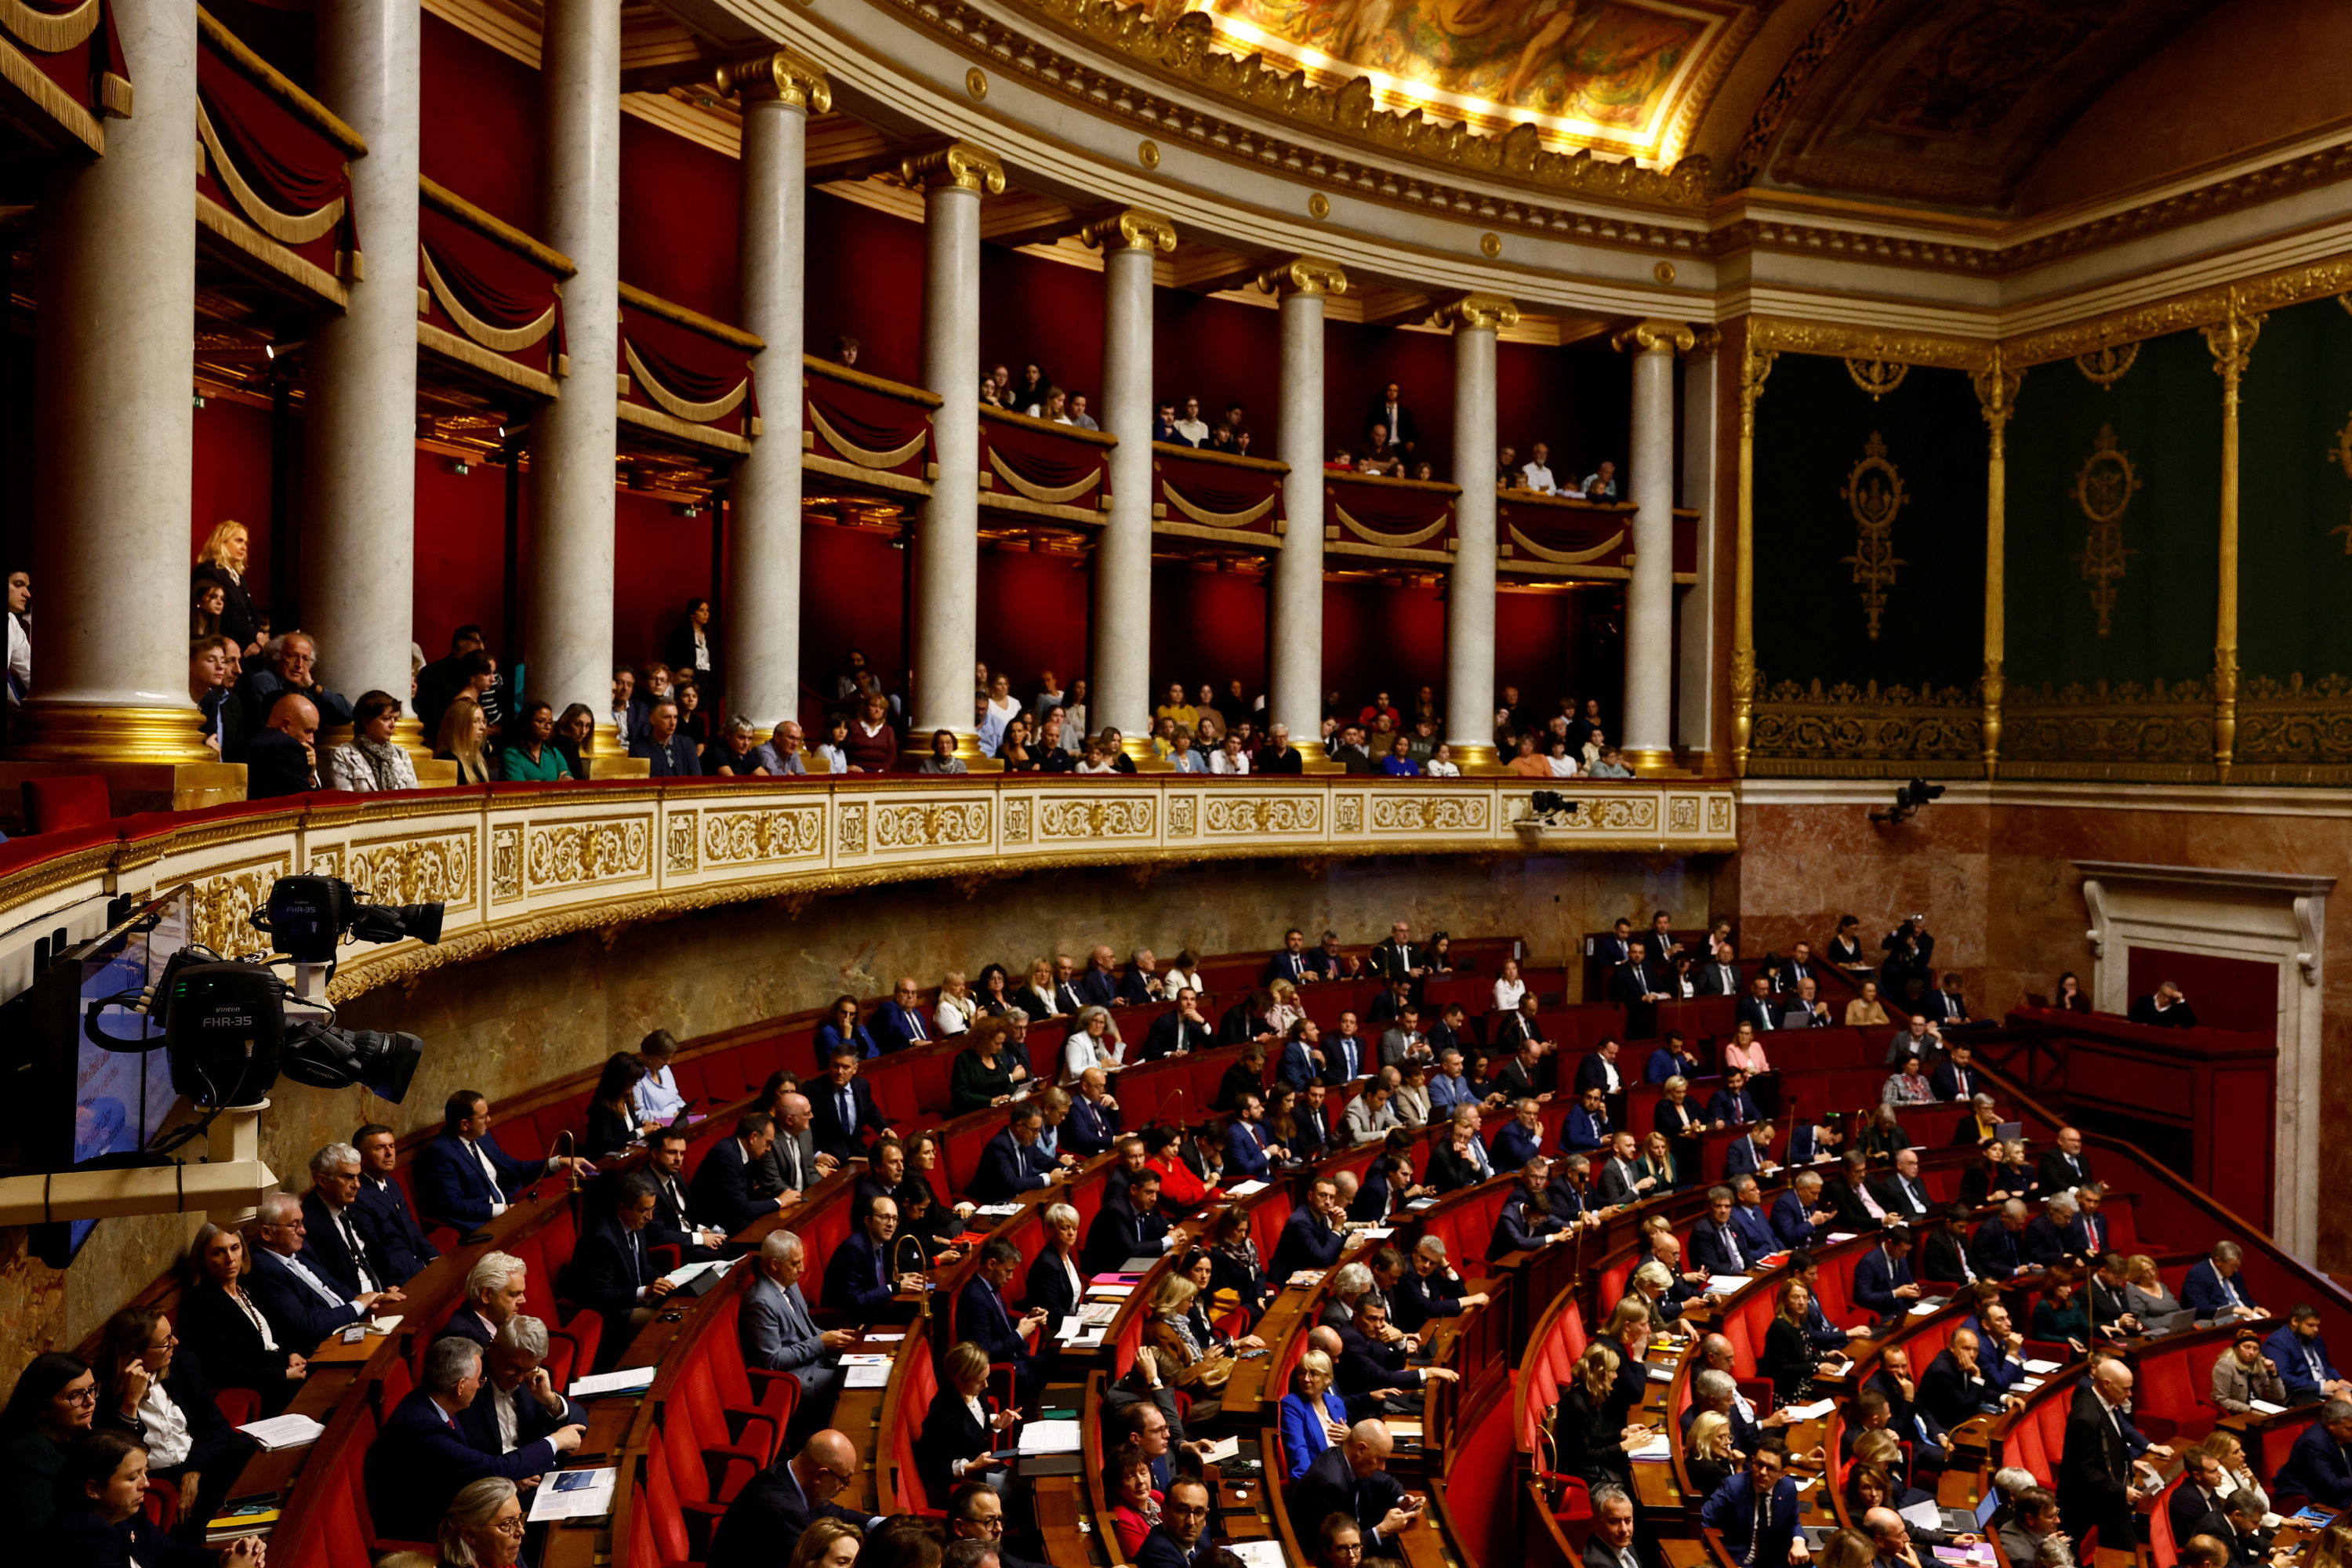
(1971, 1520)
(2171, 1323)
(2011, 1131)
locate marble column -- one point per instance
(1754, 366)
(1295, 608)
(1997, 397)
(763, 628)
(359, 427)
(567, 622)
(1122, 615)
(114, 365)
(1470, 585)
(947, 531)
(1698, 636)
(1645, 735)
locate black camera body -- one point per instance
(309, 916)
(225, 1026)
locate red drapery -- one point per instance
(289, 163)
(1398, 511)
(77, 70)
(689, 364)
(1215, 487)
(1046, 459)
(507, 290)
(871, 418)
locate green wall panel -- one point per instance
(2166, 415)
(1813, 426)
(2295, 498)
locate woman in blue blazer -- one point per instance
(843, 1025)
(1311, 1414)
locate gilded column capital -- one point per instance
(779, 76)
(2232, 339)
(1754, 366)
(1655, 337)
(1705, 340)
(1303, 274)
(958, 163)
(1996, 386)
(1480, 313)
(1133, 228)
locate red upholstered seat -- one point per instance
(62, 805)
(677, 1493)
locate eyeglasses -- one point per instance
(511, 1525)
(1178, 1510)
(81, 1395)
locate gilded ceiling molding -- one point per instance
(958, 163)
(1136, 228)
(2187, 312)
(1655, 337)
(1779, 334)
(779, 76)
(1309, 275)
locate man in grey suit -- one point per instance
(779, 1334)
(792, 1164)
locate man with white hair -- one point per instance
(303, 1306)
(494, 1292)
(518, 1404)
(2044, 1241)
(337, 1243)
(779, 1334)
(421, 1459)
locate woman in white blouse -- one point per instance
(1510, 988)
(1184, 973)
(958, 1007)
(1000, 711)
(1441, 764)
(1286, 1010)
(1094, 1043)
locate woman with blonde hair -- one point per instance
(483, 1528)
(1850, 1549)
(222, 561)
(1094, 1043)
(1865, 1011)
(958, 1007)
(1593, 1435)
(463, 734)
(1312, 1414)
(1197, 1369)
(827, 1543)
(1286, 1009)
(1706, 1452)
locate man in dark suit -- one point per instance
(2044, 1241)
(1011, 1164)
(722, 1189)
(858, 1277)
(2202, 1495)
(337, 1243)
(282, 759)
(2096, 1485)
(1756, 1510)
(464, 1177)
(2319, 1466)
(1346, 1054)
(779, 1334)
(1329, 963)
(1302, 1060)
(1944, 1006)
(983, 1318)
(1526, 1221)
(302, 1306)
(899, 1023)
(1598, 1069)
(1293, 963)
(2163, 1008)
(1883, 1285)
(384, 1207)
(1635, 989)
(1799, 1215)
(772, 1512)
(1098, 986)
(1182, 1029)
(1733, 1105)
(1128, 1225)
(1756, 1009)
(841, 1110)
(1351, 1477)
(1093, 1124)
(2065, 1165)
(672, 754)
(1851, 1194)
(1621, 1180)
(1311, 1237)
(1519, 1140)
(676, 1221)
(518, 1404)
(1716, 1245)
(1399, 958)
(1316, 1126)
(2214, 1288)
(1617, 946)
(1586, 1127)
(609, 1270)
(1181, 1539)
(2301, 1356)
(1392, 413)
(1612, 1544)
(1139, 985)
(2239, 1528)
(1901, 1192)
(1956, 1077)
(1246, 1020)
(1720, 975)
(421, 1459)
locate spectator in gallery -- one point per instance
(1527, 763)
(730, 755)
(671, 753)
(1163, 425)
(1056, 406)
(1075, 718)
(292, 660)
(833, 749)
(1078, 415)
(1341, 461)
(209, 688)
(478, 678)
(780, 756)
(284, 758)
(1181, 757)
(464, 740)
(693, 718)
(1381, 456)
(1278, 755)
(1016, 753)
(573, 730)
(1230, 761)
(999, 709)
(1029, 390)
(1114, 747)
(1557, 761)
(872, 746)
(845, 350)
(1192, 427)
(623, 715)
(1537, 475)
(1602, 484)
(1611, 765)
(942, 759)
(693, 649)
(222, 561)
(368, 763)
(1390, 411)
(1399, 762)
(531, 755)
(20, 635)
(204, 610)
(1507, 467)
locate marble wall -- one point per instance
(507, 1023)
(1992, 869)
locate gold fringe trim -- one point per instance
(1216, 519)
(211, 214)
(1387, 541)
(442, 341)
(1566, 557)
(503, 340)
(288, 228)
(19, 72)
(701, 435)
(698, 413)
(50, 34)
(833, 467)
(1049, 495)
(865, 457)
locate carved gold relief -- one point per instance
(1016, 820)
(2103, 731)
(1778, 334)
(852, 824)
(1874, 492)
(506, 864)
(1135, 228)
(741, 838)
(1483, 312)
(1348, 813)
(2107, 366)
(1864, 732)
(575, 852)
(220, 915)
(1265, 813)
(2103, 488)
(1681, 814)
(1428, 814)
(678, 855)
(931, 827)
(1876, 376)
(958, 163)
(1303, 274)
(1181, 816)
(1121, 817)
(437, 869)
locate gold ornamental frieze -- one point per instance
(1874, 492)
(2103, 488)
(1842, 730)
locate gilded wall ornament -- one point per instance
(1146, 153)
(1490, 245)
(2108, 364)
(1876, 376)
(1874, 493)
(2103, 488)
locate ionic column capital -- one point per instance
(779, 76)
(960, 164)
(1303, 274)
(1657, 337)
(1131, 229)
(1479, 312)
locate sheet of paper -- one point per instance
(1244, 1189)
(1843, 1235)
(1814, 1412)
(2267, 1407)
(1925, 1515)
(1807, 1482)
(631, 1380)
(1921, 1309)
(1228, 1449)
(1257, 1553)
(384, 1325)
(283, 1432)
(884, 1338)
(1655, 1451)
(1377, 1232)
(1050, 1437)
(2042, 1368)
(1001, 1210)
(866, 1376)
(573, 1494)
(1725, 1284)
(864, 1358)
(1659, 1372)
(1110, 1292)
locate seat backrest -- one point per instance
(661, 1508)
(61, 804)
(2160, 1544)
(2165, 1389)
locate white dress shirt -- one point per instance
(167, 1428)
(1538, 478)
(655, 1097)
